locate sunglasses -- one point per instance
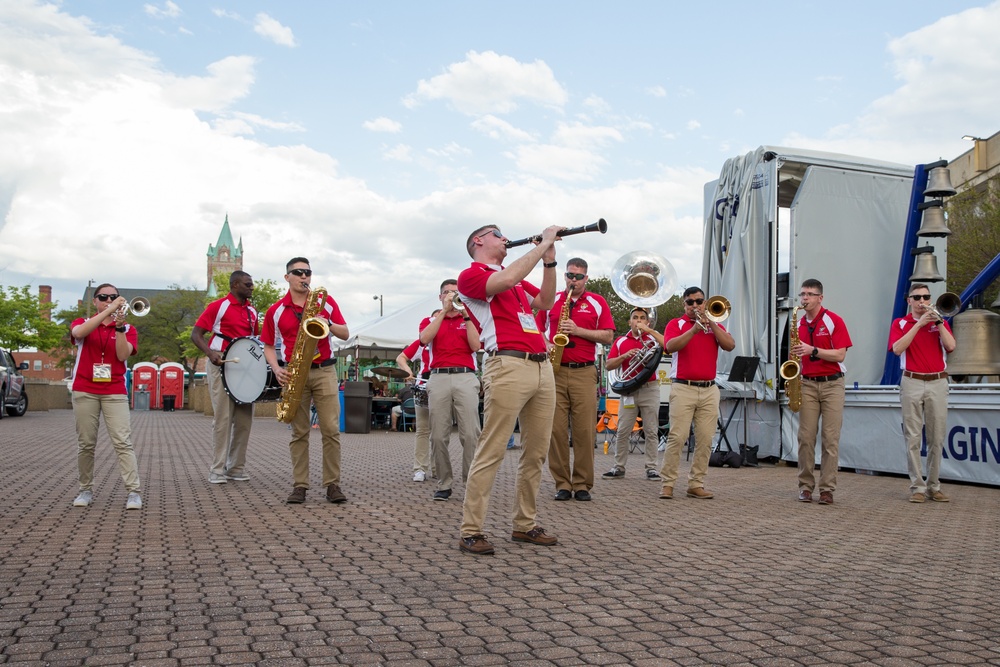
(105, 297)
(918, 297)
(694, 302)
(301, 272)
(576, 276)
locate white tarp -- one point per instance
(385, 337)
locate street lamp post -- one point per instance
(378, 297)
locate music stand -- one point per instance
(744, 370)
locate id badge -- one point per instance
(528, 323)
(628, 401)
(102, 373)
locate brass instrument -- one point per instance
(948, 304)
(791, 370)
(559, 339)
(599, 226)
(717, 310)
(456, 303)
(139, 307)
(311, 330)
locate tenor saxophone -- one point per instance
(791, 370)
(311, 330)
(560, 340)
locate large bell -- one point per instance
(977, 343)
(939, 183)
(925, 268)
(933, 223)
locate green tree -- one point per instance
(265, 293)
(621, 311)
(165, 334)
(64, 351)
(25, 321)
(974, 220)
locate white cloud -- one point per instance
(270, 29)
(692, 125)
(237, 123)
(490, 83)
(585, 136)
(451, 149)
(398, 153)
(383, 124)
(226, 14)
(170, 10)
(656, 91)
(229, 79)
(497, 128)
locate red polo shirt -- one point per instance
(827, 332)
(450, 346)
(926, 353)
(630, 342)
(282, 322)
(99, 348)
(590, 311)
(497, 315)
(227, 319)
(696, 361)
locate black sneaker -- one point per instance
(475, 544)
(652, 474)
(614, 472)
(563, 494)
(445, 495)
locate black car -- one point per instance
(12, 392)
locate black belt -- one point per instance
(425, 375)
(528, 356)
(323, 364)
(926, 377)
(577, 364)
(696, 383)
(823, 378)
(452, 370)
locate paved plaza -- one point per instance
(229, 574)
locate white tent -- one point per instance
(385, 337)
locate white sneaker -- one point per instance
(84, 499)
(215, 478)
(134, 501)
(419, 476)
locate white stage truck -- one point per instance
(777, 216)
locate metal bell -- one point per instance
(925, 268)
(933, 223)
(939, 183)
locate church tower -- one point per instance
(224, 256)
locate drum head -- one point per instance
(245, 379)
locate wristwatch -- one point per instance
(549, 265)
(814, 355)
(120, 329)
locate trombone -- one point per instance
(717, 309)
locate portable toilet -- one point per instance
(145, 383)
(171, 386)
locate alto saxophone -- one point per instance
(560, 340)
(311, 330)
(791, 370)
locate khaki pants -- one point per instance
(925, 412)
(514, 389)
(826, 400)
(646, 403)
(87, 409)
(231, 428)
(322, 389)
(422, 450)
(455, 395)
(576, 409)
(687, 404)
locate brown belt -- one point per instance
(539, 356)
(926, 377)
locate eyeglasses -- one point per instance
(450, 291)
(918, 297)
(575, 276)
(693, 302)
(106, 297)
(805, 294)
(301, 272)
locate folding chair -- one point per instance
(408, 416)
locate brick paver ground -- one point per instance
(230, 574)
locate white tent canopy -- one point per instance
(385, 337)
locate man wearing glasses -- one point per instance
(281, 328)
(823, 343)
(452, 341)
(227, 319)
(589, 322)
(693, 340)
(517, 378)
(923, 341)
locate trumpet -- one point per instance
(599, 226)
(456, 303)
(948, 304)
(139, 306)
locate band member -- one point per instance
(586, 319)
(693, 340)
(226, 319)
(823, 343)
(422, 467)
(103, 343)
(644, 402)
(453, 388)
(517, 379)
(281, 328)
(923, 341)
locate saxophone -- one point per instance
(560, 340)
(791, 370)
(311, 330)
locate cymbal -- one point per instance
(390, 372)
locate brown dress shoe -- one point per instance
(805, 496)
(918, 498)
(534, 536)
(476, 544)
(826, 497)
(298, 496)
(700, 493)
(938, 497)
(335, 495)
(666, 493)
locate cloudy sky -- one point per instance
(372, 137)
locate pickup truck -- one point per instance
(13, 397)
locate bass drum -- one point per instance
(245, 374)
